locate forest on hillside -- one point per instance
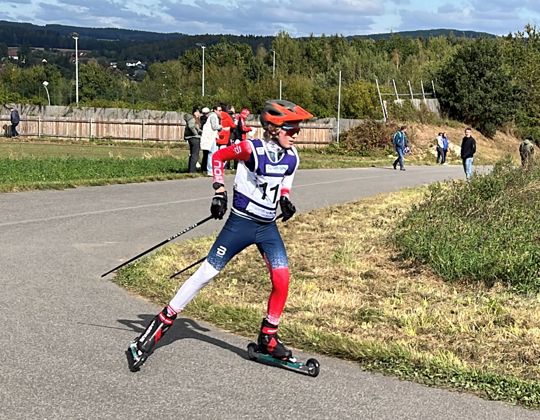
(487, 82)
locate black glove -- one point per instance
(219, 205)
(287, 208)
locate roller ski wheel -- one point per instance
(135, 357)
(311, 367)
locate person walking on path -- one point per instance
(439, 147)
(468, 149)
(526, 152)
(400, 142)
(263, 181)
(445, 145)
(15, 120)
(192, 134)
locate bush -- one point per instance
(368, 137)
(486, 231)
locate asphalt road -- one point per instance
(65, 329)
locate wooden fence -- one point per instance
(312, 134)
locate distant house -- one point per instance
(113, 65)
(135, 64)
(13, 53)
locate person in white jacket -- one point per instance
(210, 132)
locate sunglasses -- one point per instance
(291, 129)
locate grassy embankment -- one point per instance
(26, 165)
(452, 301)
(47, 163)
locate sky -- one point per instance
(268, 17)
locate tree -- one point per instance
(522, 58)
(475, 88)
(360, 101)
(97, 82)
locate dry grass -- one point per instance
(346, 280)
(488, 150)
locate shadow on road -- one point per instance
(181, 329)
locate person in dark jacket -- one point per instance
(468, 149)
(192, 134)
(15, 120)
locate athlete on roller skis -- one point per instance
(263, 180)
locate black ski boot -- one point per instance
(269, 342)
(143, 346)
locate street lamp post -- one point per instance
(202, 78)
(203, 48)
(273, 64)
(75, 36)
(338, 108)
(45, 84)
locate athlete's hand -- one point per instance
(287, 208)
(218, 208)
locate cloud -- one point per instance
(495, 22)
(300, 17)
(267, 17)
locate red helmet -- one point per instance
(279, 112)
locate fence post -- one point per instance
(410, 89)
(39, 126)
(338, 107)
(90, 129)
(433, 86)
(423, 93)
(142, 130)
(395, 90)
(380, 100)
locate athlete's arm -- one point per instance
(240, 151)
(287, 182)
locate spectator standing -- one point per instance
(15, 120)
(204, 115)
(192, 134)
(526, 152)
(444, 148)
(439, 147)
(225, 136)
(209, 136)
(227, 124)
(400, 142)
(242, 129)
(468, 149)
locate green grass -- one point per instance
(483, 231)
(53, 164)
(83, 149)
(61, 164)
(51, 173)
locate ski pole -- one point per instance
(201, 260)
(158, 245)
(187, 268)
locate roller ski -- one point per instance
(143, 346)
(270, 350)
